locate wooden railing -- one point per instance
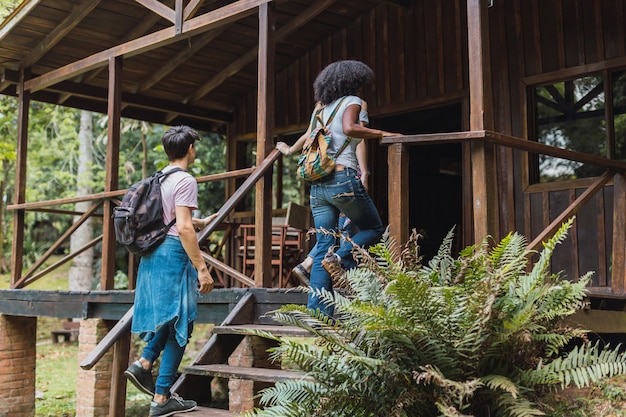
(49, 206)
(615, 170)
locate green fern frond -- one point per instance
(507, 405)
(541, 266)
(587, 364)
(500, 383)
(468, 335)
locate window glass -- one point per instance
(571, 115)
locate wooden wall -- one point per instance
(535, 41)
(419, 56)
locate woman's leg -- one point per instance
(325, 217)
(362, 212)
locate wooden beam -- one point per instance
(111, 172)
(20, 180)
(241, 192)
(227, 269)
(310, 13)
(197, 25)
(618, 256)
(74, 89)
(483, 155)
(402, 3)
(75, 225)
(506, 140)
(16, 17)
(121, 353)
(59, 263)
(175, 61)
(265, 144)
(178, 19)
(571, 210)
(159, 8)
(145, 24)
(69, 23)
(398, 193)
(191, 8)
(120, 328)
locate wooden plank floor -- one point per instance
(241, 372)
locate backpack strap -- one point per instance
(330, 119)
(345, 144)
(161, 175)
(318, 116)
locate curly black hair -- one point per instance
(341, 78)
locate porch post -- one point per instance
(483, 155)
(265, 144)
(618, 256)
(112, 164)
(20, 178)
(398, 192)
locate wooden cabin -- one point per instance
(512, 114)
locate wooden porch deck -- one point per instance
(112, 305)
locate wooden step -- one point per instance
(241, 372)
(277, 330)
(208, 412)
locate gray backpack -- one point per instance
(138, 220)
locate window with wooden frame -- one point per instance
(585, 114)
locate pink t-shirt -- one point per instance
(178, 189)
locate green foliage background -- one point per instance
(52, 163)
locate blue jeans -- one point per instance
(164, 340)
(340, 192)
(344, 229)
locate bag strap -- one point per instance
(330, 119)
(345, 144)
(332, 115)
(162, 175)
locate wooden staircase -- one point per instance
(233, 354)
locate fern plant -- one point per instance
(475, 335)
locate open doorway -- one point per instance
(435, 180)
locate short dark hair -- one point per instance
(176, 141)
(339, 79)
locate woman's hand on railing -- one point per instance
(283, 148)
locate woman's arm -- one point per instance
(352, 127)
(361, 157)
(297, 147)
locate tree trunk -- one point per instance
(81, 275)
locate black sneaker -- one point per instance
(140, 378)
(174, 405)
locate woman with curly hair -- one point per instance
(337, 86)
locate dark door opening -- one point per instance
(435, 180)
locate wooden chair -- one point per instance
(288, 235)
